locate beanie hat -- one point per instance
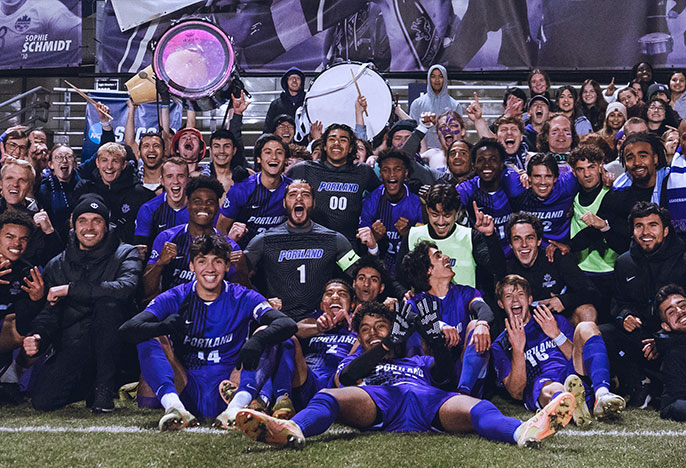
(91, 203)
(616, 106)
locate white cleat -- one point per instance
(607, 405)
(175, 419)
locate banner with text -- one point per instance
(146, 121)
(411, 35)
(40, 33)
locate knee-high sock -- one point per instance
(319, 414)
(474, 367)
(253, 381)
(156, 369)
(490, 423)
(267, 392)
(596, 362)
(283, 375)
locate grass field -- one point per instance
(129, 438)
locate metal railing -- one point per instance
(26, 108)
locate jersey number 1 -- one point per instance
(301, 269)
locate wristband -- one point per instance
(373, 251)
(560, 339)
(607, 226)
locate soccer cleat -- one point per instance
(258, 404)
(283, 408)
(175, 419)
(608, 404)
(128, 392)
(272, 431)
(223, 421)
(227, 390)
(574, 385)
(545, 422)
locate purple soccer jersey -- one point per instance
(177, 271)
(376, 206)
(256, 206)
(213, 333)
(554, 210)
(542, 356)
(496, 204)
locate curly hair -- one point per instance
(374, 309)
(415, 266)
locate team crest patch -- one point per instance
(95, 206)
(22, 24)
(125, 208)
(548, 281)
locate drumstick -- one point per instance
(87, 98)
(359, 93)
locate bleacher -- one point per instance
(65, 116)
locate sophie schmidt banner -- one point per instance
(40, 33)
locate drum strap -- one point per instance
(302, 123)
(335, 89)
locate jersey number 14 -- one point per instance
(213, 356)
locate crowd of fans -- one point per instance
(347, 275)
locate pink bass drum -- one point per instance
(196, 60)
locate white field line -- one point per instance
(105, 429)
(207, 430)
(623, 433)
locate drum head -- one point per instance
(194, 58)
(331, 97)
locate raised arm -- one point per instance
(130, 129)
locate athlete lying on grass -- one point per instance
(395, 394)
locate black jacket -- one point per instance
(285, 103)
(672, 348)
(562, 278)
(124, 198)
(107, 274)
(639, 276)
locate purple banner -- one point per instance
(40, 33)
(146, 121)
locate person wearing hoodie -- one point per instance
(91, 287)
(657, 257)
(436, 100)
(292, 97)
(118, 185)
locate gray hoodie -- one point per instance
(430, 102)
